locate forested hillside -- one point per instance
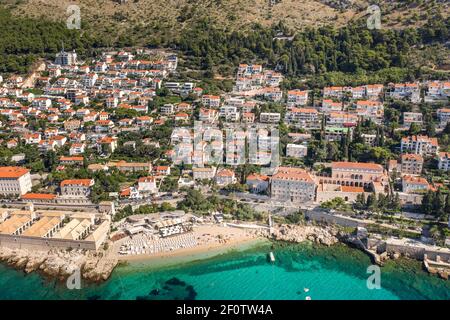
(23, 40)
(338, 54)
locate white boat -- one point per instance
(272, 257)
(308, 298)
(306, 289)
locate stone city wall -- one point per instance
(24, 242)
(321, 216)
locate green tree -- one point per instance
(427, 202)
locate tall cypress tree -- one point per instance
(439, 204)
(427, 202)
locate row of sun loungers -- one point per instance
(150, 244)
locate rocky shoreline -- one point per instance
(330, 235)
(61, 264)
(98, 266)
(325, 235)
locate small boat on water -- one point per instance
(306, 289)
(271, 257)
(308, 298)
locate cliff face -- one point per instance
(60, 264)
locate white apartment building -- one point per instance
(229, 112)
(331, 106)
(249, 69)
(358, 92)
(211, 101)
(269, 117)
(167, 109)
(272, 94)
(411, 164)
(406, 90)
(112, 102)
(341, 119)
(437, 91)
(368, 109)
(412, 117)
(369, 139)
(225, 177)
(336, 92)
(412, 184)
(374, 91)
(422, 145)
(444, 116)
(297, 98)
(147, 185)
(42, 103)
(14, 181)
(207, 115)
(203, 173)
(80, 188)
(90, 79)
(66, 58)
(306, 117)
(257, 183)
(444, 161)
(77, 148)
(296, 150)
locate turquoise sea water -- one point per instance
(337, 272)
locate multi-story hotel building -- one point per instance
(14, 181)
(293, 184)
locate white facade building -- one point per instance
(14, 181)
(293, 184)
(296, 150)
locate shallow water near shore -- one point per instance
(336, 272)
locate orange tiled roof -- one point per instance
(225, 173)
(304, 110)
(82, 182)
(12, 172)
(147, 179)
(356, 165)
(258, 177)
(296, 174)
(63, 158)
(416, 180)
(43, 196)
(411, 156)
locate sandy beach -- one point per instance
(212, 240)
